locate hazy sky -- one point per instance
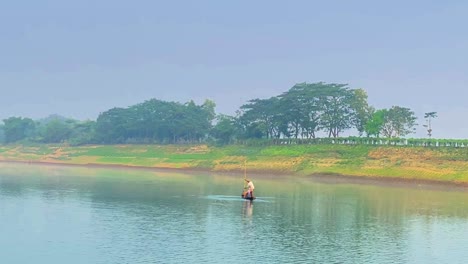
(80, 58)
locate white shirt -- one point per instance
(251, 186)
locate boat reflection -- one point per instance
(247, 209)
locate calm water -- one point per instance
(89, 215)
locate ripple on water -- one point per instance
(236, 198)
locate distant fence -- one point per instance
(450, 143)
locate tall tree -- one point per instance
(225, 130)
(196, 120)
(300, 109)
(209, 107)
(54, 129)
(2, 135)
(262, 114)
(18, 128)
(398, 122)
(374, 125)
(57, 131)
(156, 121)
(83, 132)
(363, 111)
(428, 117)
(335, 103)
(112, 126)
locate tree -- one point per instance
(2, 135)
(374, 125)
(262, 116)
(112, 126)
(201, 119)
(300, 110)
(156, 121)
(209, 107)
(18, 128)
(225, 130)
(398, 122)
(428, 117)
(363, 112)
(54, 129)
(57, 131)
(83, 132)
(335, 104)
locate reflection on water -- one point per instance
(247, 209)
(88, 215)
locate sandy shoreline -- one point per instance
(322, 178)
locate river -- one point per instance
(59, 214)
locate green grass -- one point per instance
(444, 164)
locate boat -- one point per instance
(247, 197)
(244, 193)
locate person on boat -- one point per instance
(250, 188)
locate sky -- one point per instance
(81, 58)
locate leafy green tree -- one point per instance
(300, 110)
(83, 132)
(307, 108)
(52, 129)
(156, 121)
(57, 131)
(363, 111)
(225, 130)
(18, 128)
(112, 126)
(197, 120)
(398, 122)
(428, 117)
(209, 107)
(2, 135)
(335, 104)
(374, 125)
(261, 117)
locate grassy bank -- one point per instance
(419, 163)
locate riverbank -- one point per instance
(386, 164)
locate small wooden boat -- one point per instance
(244, 193)
(247, 196)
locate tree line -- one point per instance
(309, 108)
(302, 112)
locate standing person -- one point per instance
(250, 188)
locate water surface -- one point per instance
(54, 214)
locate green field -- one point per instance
(421, 163)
